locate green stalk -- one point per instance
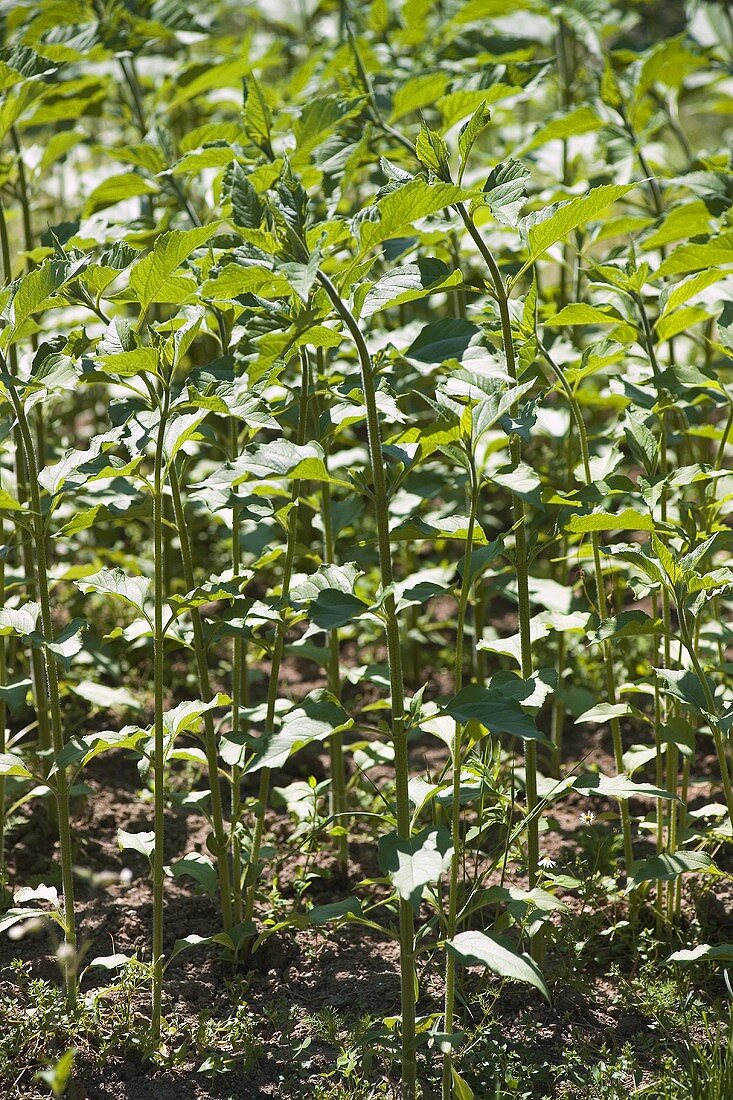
(520, 551)
(336, 741)
(718, 736)
(456, 758)
(60, 782)
(3, 712)
(202, 669)
(277, 654)
(159, 739)
(601, 600)
(240, 698)
(399, 733)
(38, 674)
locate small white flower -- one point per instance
(587, 818)
(546, 863)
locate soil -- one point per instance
(295, 973)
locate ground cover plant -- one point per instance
(365, 636)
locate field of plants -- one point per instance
(366, 549)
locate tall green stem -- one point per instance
(240, 697)
(38, 675)
(456, 760)
(392, 630)
(336, 741)
(159, 736)
(202, 669)
(520, 547)
(277, 653)
(601, 601)
(60, 781)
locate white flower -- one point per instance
(546, 863)
(587, 817)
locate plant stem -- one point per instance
(520, 551)
(61, 783)
(277, 653)
(240, 698)
(38, 674)
(159, 737)
(601, 600)
(202, 669)
(456, 759)
(399, 733)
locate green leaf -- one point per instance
(581, 120)
(416, 93)
(415, 863)
(580, 313)
(479, 120)
(505, 190)
(555, 222)
(127, 185)
(115, 583)
(720, 952)
(494, 711)
(628, 520)
(408, 284)
(149, 276)
(317, 718)
(479, 948)
(694, 257)
(684, 685)
(320, 915)
(668, 866)
(432, 151)
(619, 786)
(400, 209)
(143, 842)
(199, 867)
(604, 712)
(332, 609)
(439, 341)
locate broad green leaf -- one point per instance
(143, 842)
(332, 609)
(478, 122)
(11, 764)
(149, 276)
(127, 185)
(694, 257)
(320, 915)
(198, 867)
(604, 712)
(114, 582)
(493, 710)
(439, 341)
(628, 520)
(619, 786)
(479, 948)
(685, 685)
(409, 283)
(505, 190)
(416, 93)
(400, 209)
(415, 863)
(21, 620)
(555, 222)
(720, 952)
(317, 718)
(682, 320)
(581, 120)
(282, 459)
(668, 866)
(580, 313)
